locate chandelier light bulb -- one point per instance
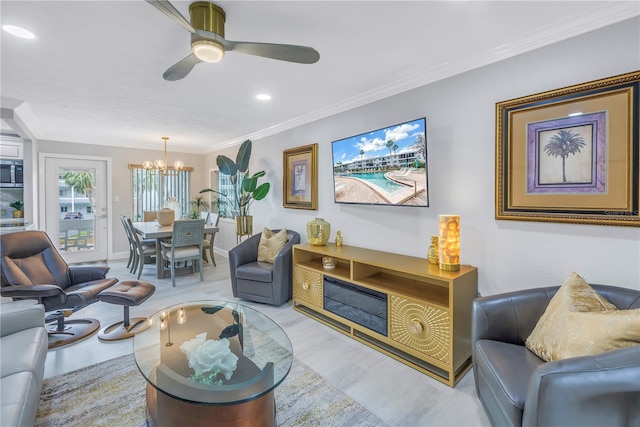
(163, 165)
(182, 317)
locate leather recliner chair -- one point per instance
(261, 281)
(517, 388)
(32, 268)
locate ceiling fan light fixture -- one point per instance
(207, 50)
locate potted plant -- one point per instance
(246, 188)
(17, 205)
(198, 204)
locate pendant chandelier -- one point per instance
(162, 165)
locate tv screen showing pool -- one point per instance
(386, 166)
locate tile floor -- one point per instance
(396, 393)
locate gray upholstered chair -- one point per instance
(185, 245)
(141, 252)
(32, 268)
(209, 238)
(517, 388)
(261, 281)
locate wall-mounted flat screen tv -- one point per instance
(386, 166)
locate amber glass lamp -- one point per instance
(449, 234)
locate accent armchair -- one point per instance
(259, 281)
(518, 388)
(32, 268)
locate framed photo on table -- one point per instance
(571, 154)
(300, 177)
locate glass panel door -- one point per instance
(76, 208)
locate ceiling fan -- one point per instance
(209, 45)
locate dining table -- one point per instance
(153, 230)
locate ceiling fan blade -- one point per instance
(180, 69)
(168, 9)
(283, 52)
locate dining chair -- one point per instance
(207, 243)
(185, 245)
(142, 249)
(132, 249)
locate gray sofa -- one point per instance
(517, 388)
(23, 350)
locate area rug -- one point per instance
(113, 394)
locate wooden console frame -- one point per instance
(428, 309)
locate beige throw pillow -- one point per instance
(579, 322)
(270, 244)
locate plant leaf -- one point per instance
(212, 310)
(244, 199)
(249, 184)
(244, 154)
(261, 192)
(226, 165)
(230, 331)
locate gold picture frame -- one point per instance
(571, 154)
(300, 177)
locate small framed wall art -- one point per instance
(300, 177)
(571, 154)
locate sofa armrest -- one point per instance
(509, 317)
(20, 315)
(31, 291)
(282, 269)
(603, 389)
(86, 273)
(245, 252)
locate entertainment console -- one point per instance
(400, 305)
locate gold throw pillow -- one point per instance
(270, 244)
(579, 322)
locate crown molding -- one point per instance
(609, 13)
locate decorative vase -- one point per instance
(166, 216)
(433, 253)
(328, 262)
(173, 203)
(318, 231)
(18, 214)
(244, 225)
(338, 238)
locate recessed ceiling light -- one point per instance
(18, 32)
(263, 97)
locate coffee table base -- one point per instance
(164, 410)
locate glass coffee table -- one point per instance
(212, 362)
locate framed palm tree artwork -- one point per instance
(571, 154)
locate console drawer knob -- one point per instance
(305, 285)
(416, 326)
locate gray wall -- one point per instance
(460, 114)
(121, 178)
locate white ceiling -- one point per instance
(94, 72)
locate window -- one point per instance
(151, 189)
(226, 200)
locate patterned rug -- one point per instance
(113, 394)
